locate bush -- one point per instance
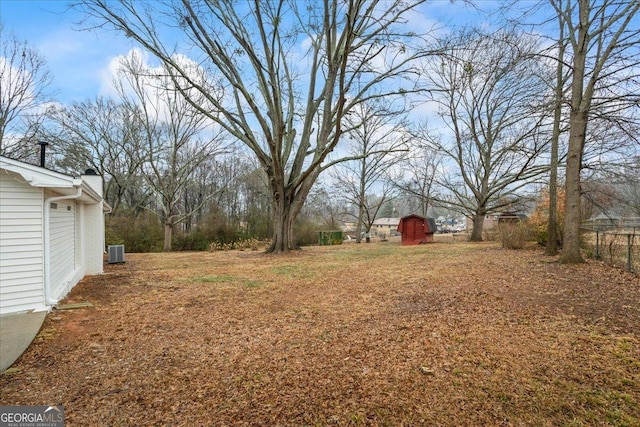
(197, 240)
(240, 245)
(513, 235)
(143, 233)
(305, 232)
(539, 218)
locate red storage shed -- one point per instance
(416, 229)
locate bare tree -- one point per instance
(104, 135)
(212, 180)
(609, 162)
(377, 142)
(254, 212)
(604, 38)
(323, 209)
(554, 162)
(366, 205)
(555, 54)
(420, 171)
(489, 89)
(291, 71)
(178, 138)
(628, 186)
(24, 84)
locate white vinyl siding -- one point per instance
(21, 245)
(40, 263)
(62, 241)
(79, 247)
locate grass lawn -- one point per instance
(446, 334)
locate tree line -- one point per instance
(288, 113)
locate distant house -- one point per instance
(51, 234)
(491, 220)
(385, 226)
(612, 220)
(416, 229)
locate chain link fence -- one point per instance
(616, 241)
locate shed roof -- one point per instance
(431, 222)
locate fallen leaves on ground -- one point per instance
(370, 334)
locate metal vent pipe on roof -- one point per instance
(43, 150)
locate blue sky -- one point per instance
(79, 60)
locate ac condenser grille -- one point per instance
(116, 254)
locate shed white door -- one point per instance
(62, 240)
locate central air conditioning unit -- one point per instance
(116, 254)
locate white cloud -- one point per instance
(153, 78)
(76, 59)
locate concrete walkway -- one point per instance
(16, 333)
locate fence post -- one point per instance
(629, 252)
(597, 244)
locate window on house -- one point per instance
(53, 205)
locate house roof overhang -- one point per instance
(44, 178)
(390, 222)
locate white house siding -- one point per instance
(40, 263)
(79, 247)
(62, 238)
(21, 245)
(93, 239)
(93, 245)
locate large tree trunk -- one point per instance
(572, 214)
(286, 205)
(478, 227)
(552, 225)
(281, 216)
(283, 237)
(168, 235)
(360, 223)
(577, 133)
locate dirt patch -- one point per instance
(378, 334)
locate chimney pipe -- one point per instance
(43, 149)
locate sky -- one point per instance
(79, 60)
